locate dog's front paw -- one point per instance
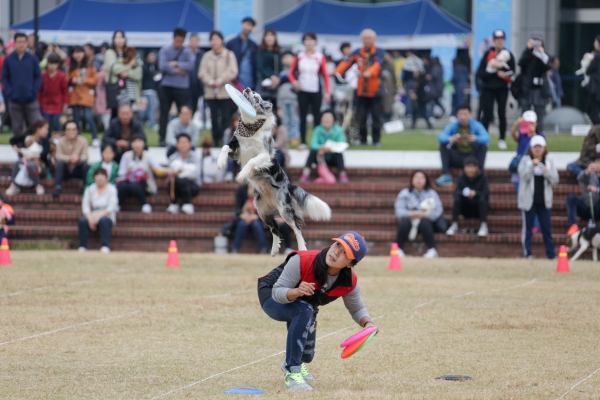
(243, 175)
(222, 160)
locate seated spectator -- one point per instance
(72, 156)
(136, 174)
(459, 140)
(209, 172)
(471, 197)
(407, 208)
(328, 130)
(32, 148)
(537, 174)
(121, 130)
(582, 206)
(107, 163)
(7, 217)
(184, 176)
(99, 208)
(588, 152)
(227, 135)
(247, 218)
(182, 124)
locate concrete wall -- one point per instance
(536, 15)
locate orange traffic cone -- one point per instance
(5, 253)
(395, 264)
(563, 261)
(173, 256)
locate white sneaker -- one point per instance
(172, 209)
(188, 209)
(82, 249)
(12, 190)
(401, 253)
(229, 177)
(39, 190)
(501, 144)
(452, 230)
(147, 209)
(96, 143)
(104, 249)
(431, 253)
(483, 230)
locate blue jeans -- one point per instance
(104, 226)
(574, 168)
(62, 172)
(576, 207)
(291, 120)
(87, 115)
(299, 317)
(149, 113)
(53, 122)
(545, 225)
(242, 229)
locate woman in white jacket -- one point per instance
(537, 174)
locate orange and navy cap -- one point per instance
(354, 245)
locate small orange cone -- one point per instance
(563, 261)
(395, 264)
(5, 253)
(173, 256)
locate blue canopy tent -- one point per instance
(411, 24)
(146, 24)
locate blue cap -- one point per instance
(354, 245)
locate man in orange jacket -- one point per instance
(369, 60)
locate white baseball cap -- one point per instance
(530, 116)
(537, 140)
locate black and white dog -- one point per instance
(583, 239)
(252, 146)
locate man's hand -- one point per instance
(173, 63)
(124, 75)
(592, 189)
(2, 107)
(296, 85)
(591, 168)
(74, 159)
(367, 74)
(180, 71)
(471, 138)
(502, 74)
(454, 138)
(275, 82)
(472, 193)
(92, 223)
(530, 44)
(122, 144)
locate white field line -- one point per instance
(426, 303)
(577, 384)
(458, 296)
(70, 327)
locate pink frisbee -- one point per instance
(357, 336)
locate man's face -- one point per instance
(125, 115)
(183, 144)
(499, 43)
(471, 170)
(52, 68)
(464, 116)
(89, 52)
(71, 130)
(31, 41)
(21, 44)
(346, 51)
(178, 42)
(194, 42)
(368, 39)
(185, 115)
(247, 28)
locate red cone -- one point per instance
(5, 253)
(563, 261)
(395, 264)
(173, 256)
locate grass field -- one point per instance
(123, 326)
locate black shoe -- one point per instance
(162, 143)
(57, 191)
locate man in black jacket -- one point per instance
(494, 85)
(471, 197)
(121, 130)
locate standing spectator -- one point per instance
(268, 67)
(196, 85)
(494, 84)
(54, 94)
(412, 64)
(556, 83)
(436, 83)
(407, 208)
(460, 139)
(389, 66)
(7, 217)
(184, 123)
(287, 100)
(592, 107)
(100, 106)
(82, 78)
(369, 91)
(72, 156)
(90, 53)
(176, 62)
(218, 68)
(471, 197)
(121, 130)
(99, 207)
(117, 67)
(582, 206)
(310, 64)
(184, 176)
(22, 79)
(244, 49)
(328, 130)
(535, 91)
(419, 97)
(460, 81)
(150, 74)
(247, 218)
(537, 174)
(32, 40)
(136, 174)
(107, 163)
(281, 145)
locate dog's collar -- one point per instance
(248, 130)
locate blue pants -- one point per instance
(104, 226)
(291, 120)
(53, 122)
(87, 115)
(242, 229)
(150, 112)
(62, 172)
(299, 317)
(545, 225)
(576, 207)
(574, 168)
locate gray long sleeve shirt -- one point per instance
(290, 277)
(186, 61)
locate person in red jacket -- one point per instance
(293, 292)
(369, 60)
(54, 93)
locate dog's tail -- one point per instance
(310, 205)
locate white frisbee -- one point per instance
(239, 99)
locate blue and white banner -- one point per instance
(230, 14)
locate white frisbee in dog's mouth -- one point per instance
(239, 99)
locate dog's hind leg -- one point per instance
(274, 227)
(288, 213)
(583, 248)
